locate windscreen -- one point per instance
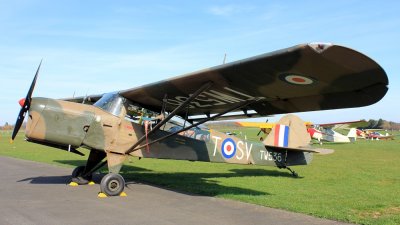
(110, 102)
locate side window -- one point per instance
(194, 133)
(138, 114)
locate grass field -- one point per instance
(359, 183)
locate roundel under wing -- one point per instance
(302, 78)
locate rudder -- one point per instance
(289, 132)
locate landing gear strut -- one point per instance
(294, 174)
(112, 184)
(83, 174)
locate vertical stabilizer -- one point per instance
(352, 135)
(290, 132)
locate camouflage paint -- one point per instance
(72, 124)
(306, 77)
(210, 149)
(68, 123)
(58, 121)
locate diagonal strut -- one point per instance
(243, 104)
(172, 114)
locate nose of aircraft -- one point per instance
(22, 102)
(25, 105)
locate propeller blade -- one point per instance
(18, 123)
(29, 95)
(27, 104)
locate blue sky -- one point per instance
(100, 46)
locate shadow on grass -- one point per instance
(189, 183)
(197, 183)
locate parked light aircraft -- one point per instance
(133, 122)
(320, 132)
(327, 132)
(375, 135)
(265, 128)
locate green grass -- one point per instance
(359, 183)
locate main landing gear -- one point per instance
(78, 176)
(112, 184)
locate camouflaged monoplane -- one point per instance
(137, 122)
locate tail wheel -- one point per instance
(112, 184)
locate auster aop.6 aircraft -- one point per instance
(113, 126)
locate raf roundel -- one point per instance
(228, 148)
(297, 79)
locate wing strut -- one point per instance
(237, 106)
(172, 114)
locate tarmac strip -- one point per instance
(37, 193)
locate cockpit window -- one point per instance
(111, 102)
(134, 111)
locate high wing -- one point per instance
(305, 77)
(256, 124)
(343, 125)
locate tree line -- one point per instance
(8, 126)
(382, 124)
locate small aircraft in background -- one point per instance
(327, 132)
(373, 134)
(265, 127)
(320, 132)
(137, 122)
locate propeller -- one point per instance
(25, 105)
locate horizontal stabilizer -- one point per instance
(322, 151)
(299, 149)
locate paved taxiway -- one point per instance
(36, 193)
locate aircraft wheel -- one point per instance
(78, 178)
(77, 172)
(112, 184)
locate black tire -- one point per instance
(77, 176)
(112, 184)
(77, 172)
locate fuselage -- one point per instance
(105, 126)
